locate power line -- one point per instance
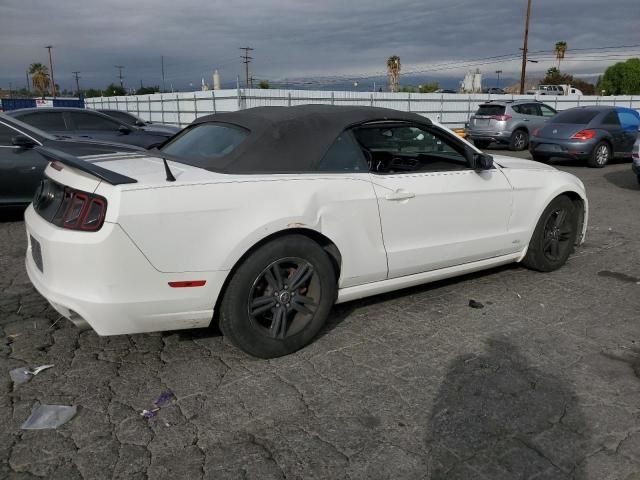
(246, 59)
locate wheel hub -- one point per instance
(285, 297)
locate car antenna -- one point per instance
(170, 177)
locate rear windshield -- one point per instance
(576, 117)
(199, 145)
(490, 110)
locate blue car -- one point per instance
(594, 134)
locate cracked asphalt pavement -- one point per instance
(541, 383)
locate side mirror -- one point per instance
(23, 142)
(124, 130)
(479, 161)
(140, 123)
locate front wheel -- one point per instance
(279, 297)
(555, 234)
(600, 155)
(519, 140)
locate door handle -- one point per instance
(400, 194)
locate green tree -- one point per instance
(560, 49)
(148, 90)
(623, 78)
(428, 87)
(39, 78)
(264, 84)
(113, 90)
(554, 77)
(92, 92)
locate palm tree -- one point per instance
(561, 49)
(39, 77)
(393, 67)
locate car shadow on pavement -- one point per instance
(11, 214)
(624, 179)
(496, 416)
(342, 311)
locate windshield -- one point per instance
(29, 128)
(202, 144)
(490, 110)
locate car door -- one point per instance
(630, 123)
(543, 113)
(20, 168)
(435, 211)
(611, 123)
(529, 112)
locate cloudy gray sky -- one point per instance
(300, 38)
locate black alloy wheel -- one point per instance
(554, 236)
(284, 298)
(279, 297)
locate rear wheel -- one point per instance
(279, 297)
(519, 140)
(555, 234)
(600, 155)
(481, 143)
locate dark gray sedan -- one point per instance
(21, 166)
(135, 121)
(88, 124)
(594, 134)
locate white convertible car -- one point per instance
(262, 219)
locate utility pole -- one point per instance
(10, 88)
(53, 80)
(246, 59)
(498, 72)
(523, 73)
(120, 67)
(28, 86)
(164, 87)
(77, 75)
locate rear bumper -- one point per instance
(101, 278)
(502, 136)
(565, 149)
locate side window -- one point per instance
(516, 108)
(546, 111)
(87, 121)
(6, 134)
(529, 109)
(345, 155)
(629, 121)
(410, 148)
(46, 121)
(611, 118)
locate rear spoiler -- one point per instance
(108, 176)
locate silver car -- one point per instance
(507, 121)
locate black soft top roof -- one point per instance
(293, 139)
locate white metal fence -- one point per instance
(452, 110)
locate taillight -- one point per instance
(81, 211)
(584, 135)
(501, 118)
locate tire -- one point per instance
(481, 144)
(269, 326)
(539, 158)
(600, 155)
(554, 237)
(519, 140)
